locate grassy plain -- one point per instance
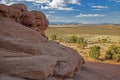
(92, 33)
(88, 29)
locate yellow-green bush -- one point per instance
(53, 37)
(94, 52)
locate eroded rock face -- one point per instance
(33, 19)
(27, 54)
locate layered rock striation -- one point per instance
(26, 54)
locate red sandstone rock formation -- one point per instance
(25, 53)
(33, 19)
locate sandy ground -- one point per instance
(98, 71)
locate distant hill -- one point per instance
(63, 23)
(69, 23)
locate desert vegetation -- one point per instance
(94, 52)
(53, 37)
(84, 29)
(99, 42)
(113, 52)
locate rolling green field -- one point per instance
(92, 30)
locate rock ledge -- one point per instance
(26, 54)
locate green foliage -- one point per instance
(116, 57)
(104, 40)
(94, 52)
(81, 42)
(113, 52)
(53, 37)
(72, 39)
(108, 54)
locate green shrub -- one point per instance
(72, 39)
(104, 40)
(116, 57)
(53, 37)
(94, 52)
(81, 42)
(113, 52)
(108, 54)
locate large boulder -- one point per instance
(34, 67)
(26, 53)
(33, 19)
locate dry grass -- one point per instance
(91, 30)
(84, 52)
(91, 34)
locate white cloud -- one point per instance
(57, 8)
(74, 2)
(60, 4)
(38, 1)
(89, 15)
(48, 15)
(118, 1)
(7, 2)
(47, 4)
(57, 17)
(99, 7)
(52, 12)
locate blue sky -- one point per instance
(81, 11)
